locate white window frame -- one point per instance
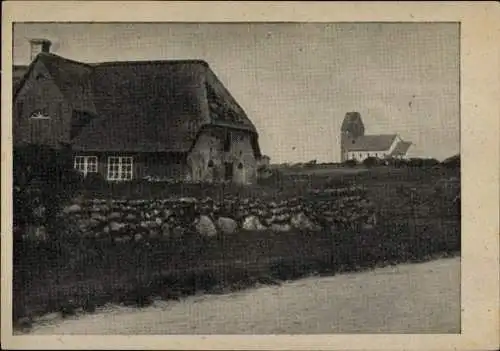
(120, 168)
(86, 164)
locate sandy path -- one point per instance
(418, 298)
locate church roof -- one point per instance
(371, 143)
(401, 148)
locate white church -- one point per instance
(355, 145)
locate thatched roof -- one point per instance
(143, 106)
(18, 73)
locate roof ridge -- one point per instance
(148, 62)
(52, 55)
(378, 135)
(121, 63)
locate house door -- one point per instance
(228, 171)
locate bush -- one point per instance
(43, 182)
(350, 163)
(94, 181)
(371, 162)
(397, 163)
(311, 164)
(44, 179)
(452, 162)
(429, 162)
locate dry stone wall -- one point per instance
(128, 220)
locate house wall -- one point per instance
(40, 93)
(154, 165)
(162, 166)
(208, 160)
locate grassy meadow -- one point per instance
(418, 219)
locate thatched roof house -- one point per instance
(149, 115)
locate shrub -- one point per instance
(452, 162)
(398, 163)
(371, 162)
(350, 163)
(429, 162)
(311, 164)
(94, 181)
(44, 179)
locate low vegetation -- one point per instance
(418, 218)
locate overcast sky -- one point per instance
(296, 81)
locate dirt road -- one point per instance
(417, 298)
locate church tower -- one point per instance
(352, 128)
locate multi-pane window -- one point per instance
(86, 164)
(120, 168)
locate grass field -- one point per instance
(416, 223)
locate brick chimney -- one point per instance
(38, 46)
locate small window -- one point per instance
(39, 115)
(240, 165)
(86, 164)
(227, 142)
(40, 76)
(210, 164)
(120, 168)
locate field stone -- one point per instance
(93, 222)
(205, 226)
(301, 221)
(188, 200)
(227, 225)
(85, 224)
(114, 215)
(178, 231)
(280, 227)
(130, 217)
(147, 224)
(253, 223)
(104, 208)
(167, 213)
(282, 218)
(75, 208)
(116, 226)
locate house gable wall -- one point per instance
(40, 93)
(395, 142)
(208, 160)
